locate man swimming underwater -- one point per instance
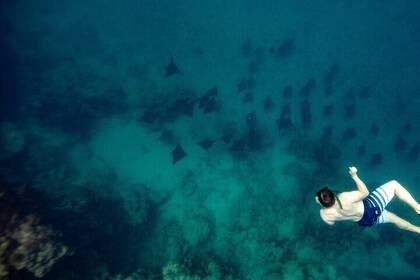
(363, 208)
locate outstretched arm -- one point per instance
(359, 183)
(362, 191)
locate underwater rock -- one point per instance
(175, 271)
(25, 242)
(348, 134)
(171, 69)
(178, 153)
(189, 185)
(35, 248)
(196, 231)
(194, 270)
(138, 203)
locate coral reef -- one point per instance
(175, 271)
(182, 271)
(197, 230)
(25, 243)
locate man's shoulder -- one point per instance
(324, 217)
(351, 197)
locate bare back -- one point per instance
(352, 210)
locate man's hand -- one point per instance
(353, 171)
(362, 191)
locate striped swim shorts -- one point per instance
(375, 204)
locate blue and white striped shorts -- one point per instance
(375, 204)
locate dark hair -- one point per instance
(326, 197)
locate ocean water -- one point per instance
(187, 139)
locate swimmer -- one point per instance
(363, 208)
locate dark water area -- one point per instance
(188, 139)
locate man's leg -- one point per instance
(403, 195)
(401, 223)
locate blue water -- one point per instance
(187, 139)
